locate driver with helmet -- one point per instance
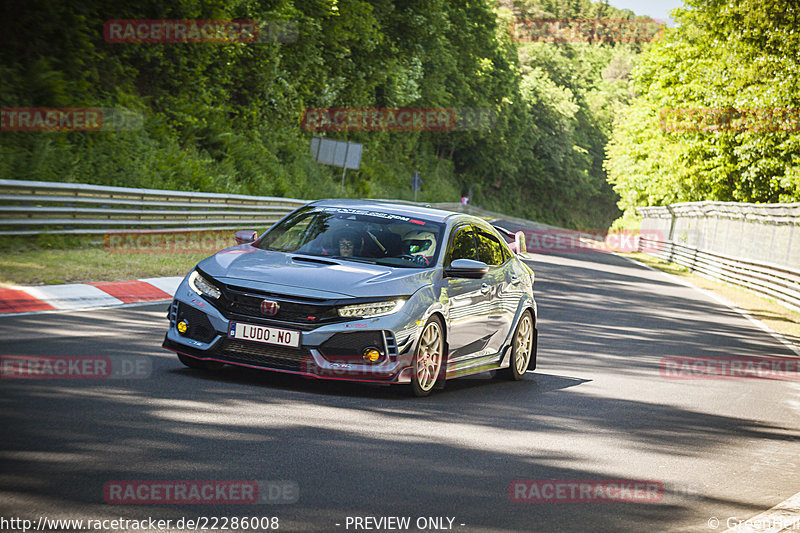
(420, 244)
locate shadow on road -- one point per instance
(360, 450)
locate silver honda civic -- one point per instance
(363, 291)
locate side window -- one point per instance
(490, 251)
(462, 246)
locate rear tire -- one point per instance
(191, 362)
(521, 349)
(427, 364)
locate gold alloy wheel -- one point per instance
(523, 344)
(521, 349)
(428, 361)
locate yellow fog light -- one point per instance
(183, 327)
(371, 355)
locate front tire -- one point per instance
(191, 362)
(521, 349)
(427, 363)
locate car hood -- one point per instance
(313, 277)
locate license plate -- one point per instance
(267, 335)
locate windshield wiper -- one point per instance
(388, 262)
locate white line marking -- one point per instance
(786, 515)
(719, 299)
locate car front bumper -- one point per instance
(331, 351)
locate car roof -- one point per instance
(428, 213)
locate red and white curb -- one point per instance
(72, 296)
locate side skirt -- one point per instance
(484, 363)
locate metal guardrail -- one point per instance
(33, 207)
(752, 246)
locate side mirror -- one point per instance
(466, 268)
(245, 236)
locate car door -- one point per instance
(468, 301)
(500, 282)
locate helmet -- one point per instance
(420, 242)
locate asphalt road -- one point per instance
(597, 407)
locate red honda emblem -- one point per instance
(269, 308)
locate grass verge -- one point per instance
(59, 259)
(768, 311)
(45, 267)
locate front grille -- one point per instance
(303, 313)
(264, 354)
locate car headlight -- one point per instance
(371, 309)
(201, 286)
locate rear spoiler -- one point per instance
(516, 240)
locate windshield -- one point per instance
(362, 235)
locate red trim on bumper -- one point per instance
(295, 372)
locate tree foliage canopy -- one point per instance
(717, 109)
(226, 117)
